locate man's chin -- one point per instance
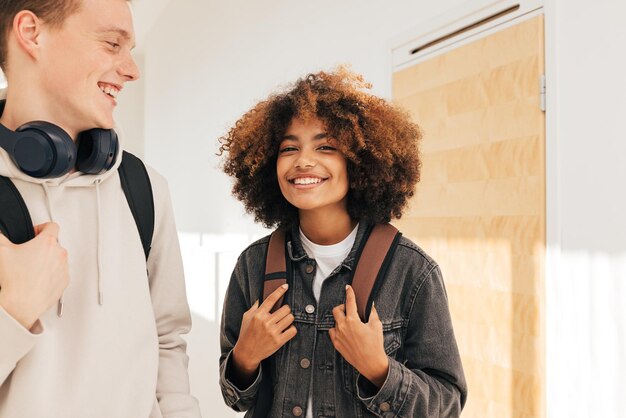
(104, 124)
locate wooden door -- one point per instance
(479, 210)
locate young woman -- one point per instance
(326, 161)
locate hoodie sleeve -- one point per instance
(17, 342)
(171, 311)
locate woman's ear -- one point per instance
(26, 32)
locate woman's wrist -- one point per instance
(377, 371)
(243, 372)
(242, 363)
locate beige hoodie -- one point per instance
(124, 358)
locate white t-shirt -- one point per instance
(327, 258)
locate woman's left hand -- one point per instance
(361, 344)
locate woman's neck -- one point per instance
(326, 227)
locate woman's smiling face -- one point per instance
(312, 173)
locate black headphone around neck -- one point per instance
(44, 150)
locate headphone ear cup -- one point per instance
(97, 149)
(44, 150)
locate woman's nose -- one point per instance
(305, 160)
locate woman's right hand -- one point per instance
(262, 333)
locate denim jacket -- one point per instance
(425, 377)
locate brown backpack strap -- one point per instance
(370, 269)
(372, 265)
(275, 266)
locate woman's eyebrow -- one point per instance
(317, 137)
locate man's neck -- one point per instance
(23, 106)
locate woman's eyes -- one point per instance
(320, 148)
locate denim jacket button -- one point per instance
(308, 269)
(309, 308)
(296, 411)
(305, 363)
(384, 406)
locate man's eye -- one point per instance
(287, 149)
(113, 45)
(327, 148)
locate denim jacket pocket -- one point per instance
(392, 341)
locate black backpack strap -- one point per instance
(275, 266)
(138, 190)
(15, 221)
(17, 225)
(372, 264)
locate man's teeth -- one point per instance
(111, 91)
(307, 180)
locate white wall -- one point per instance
(129, 114)
(586, 358)
(206, 63)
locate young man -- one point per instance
(88, 327)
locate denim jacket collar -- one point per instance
(296, 251)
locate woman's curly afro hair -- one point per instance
(378, 140)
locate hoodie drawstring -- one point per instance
(49, 207)
(99, 253)
(99, 212)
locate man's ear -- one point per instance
(27, 30)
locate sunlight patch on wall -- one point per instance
(208, 260)
(586, 345)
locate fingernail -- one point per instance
(285, 286)
(347, 286)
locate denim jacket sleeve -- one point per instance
(236, 303)
(236, 398)
(430, 383)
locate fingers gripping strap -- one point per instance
(370, 263)
(275, 266)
